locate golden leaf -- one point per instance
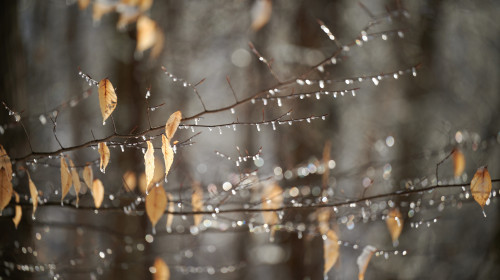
(326, 159)
(149, 162)
(5, 162)
(129, 181)
(364, 259)
(171, 208)
(168, 154)
(458, 162)
(146, 33)
(100, 9)
(261, 13)
(323, 220)
(76, 180)
(97, 192)
(104, 155)
(156, 203)
(65, 178)
(394, 223)
(162, 272)
(5, 188)
(19, 211)
(107, 99)
(83, 4)
(172, 124)
(480, 186)
(33, 193)
(88, 176)
(331, 250)
(197, 202)
(272, 198)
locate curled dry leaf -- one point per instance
(272, 198)
(170, 216)
(480, 186)
(5, 189)
(364, 259)
(97, 192)
(65, 178)
(261, 13)
(172, 124)
(107, 99)
(156, 203)
(197, 202)
(458, 162)
(104, 155)
(331, 250)
(5, 162)
(88, 176)
(76, 180)
(129, 181)
(168, 154)
(394, 223)
(162, 272)
(149, 162)
(19, 211)
(33, 193)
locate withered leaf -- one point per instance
(88, 176)
(261, 13)
(76, 180)
(394, 223)
(156, 203)
(149, 162)
(33, 193)
(146, 33)
(5, 162)
(97, 192)
(107, 99)
(83, 4)
(5, 189)
(19, 211)
(197, 202)
(104, 155)
(100, 9)
(458, 162)
(65, 178)
(480, 186)
(171, 208)
(272, 198)
(168, 154)
(162, 272)
(364, 259)
(172, 124)
(129, 181)
(331, 250)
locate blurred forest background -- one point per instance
(389, 137)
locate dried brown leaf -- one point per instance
(5, 188)
(129, 181)
(480, 186)
(76, 180)
(97, 192)
(104, 155)
(88, 176)
(65, 178)
(458, 162)
(149, 162)
(364, 259)
(83, 4)
(171, 208)
(272, 198)
(107, 99)
(146, 33)
(158, 46)
(172, 123)
(18, 211)
(156, 203)
(100, 9)
(33, 193)
(5, 162)
(197, 202)
(331, 250)
(168, 154)
(162, 272)
(394, 223)
(261, 13)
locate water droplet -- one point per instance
(317, 95)
(279, 102)
(232, 111)
(258, 127)
(375, 81)
(264, 101)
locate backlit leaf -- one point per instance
(162, 272)
(156, 203)
(76, 180)
(197, 202)
(88, 176)
(65, 178)
(97, 192)
(394, 223)
(261, 13)
(364, 259)
(130, 181)
(480, 186)
(18, 211)
(5, 189)
(272, 198)
(168, 154)
(33, 193)
(172, 124)
(458, 162)
(331, 250)
(149, 162)
(107, 99)
(146, 33)
(104, 155)
(5, 162)
(171, 208)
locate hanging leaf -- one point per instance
(103, 156)
(162, 272)
(33, 193)
(172, 124)
(331, 250)
(83, 4)
(149, 162)
(156, 203)
(272, 198)
(394, 223)
(261, 13)
(97, 192)
(323, 220)
(65, 179)
(197, 202)
(129, 181)
(107, 99)
(5, 189)
(76, 180)
(171, 208)
(19, 211)
(88, 176)
(100, 9)
(168, 154)
(480, 186)
(146, 33)
(5, 162)
(364, 259)
(458, 162)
